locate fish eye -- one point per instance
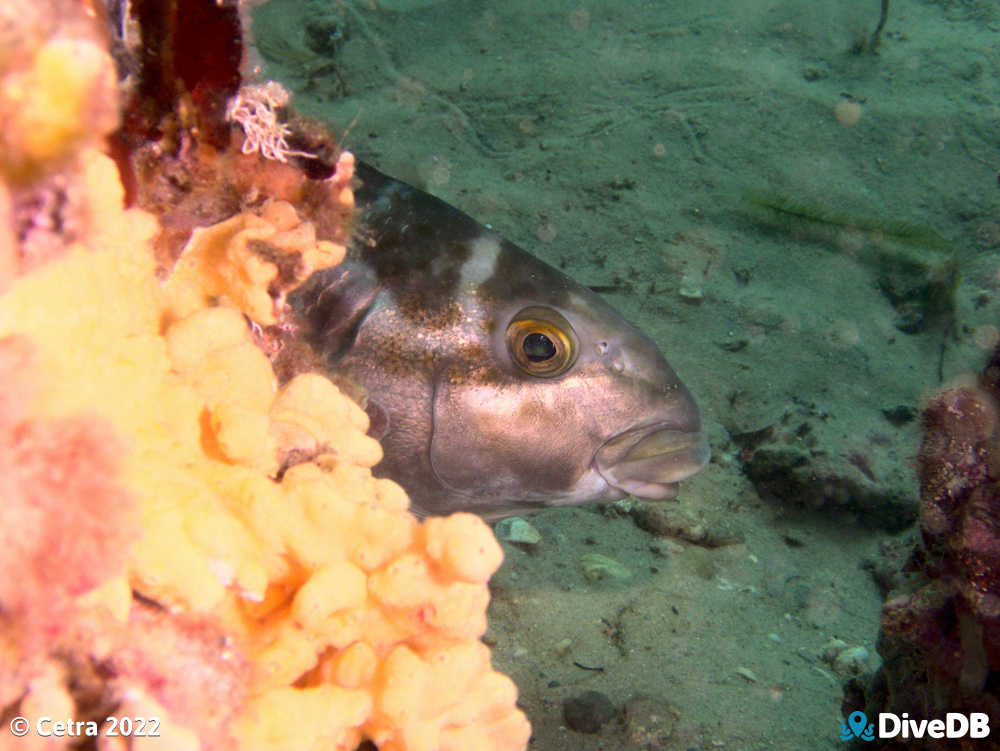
(541, 342)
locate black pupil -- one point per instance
(538, 347)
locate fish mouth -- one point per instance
(648, 462)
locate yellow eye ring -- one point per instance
(541, 342)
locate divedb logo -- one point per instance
(954, 725)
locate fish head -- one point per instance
(497, 383)
(557, 400)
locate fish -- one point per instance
(495, 383)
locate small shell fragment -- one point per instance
(517, 531)
(596, 567)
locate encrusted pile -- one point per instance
(184, 535)
(940, 630)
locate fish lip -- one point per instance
(649, 461)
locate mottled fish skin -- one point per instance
(420, 315)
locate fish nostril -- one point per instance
(602, 348)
